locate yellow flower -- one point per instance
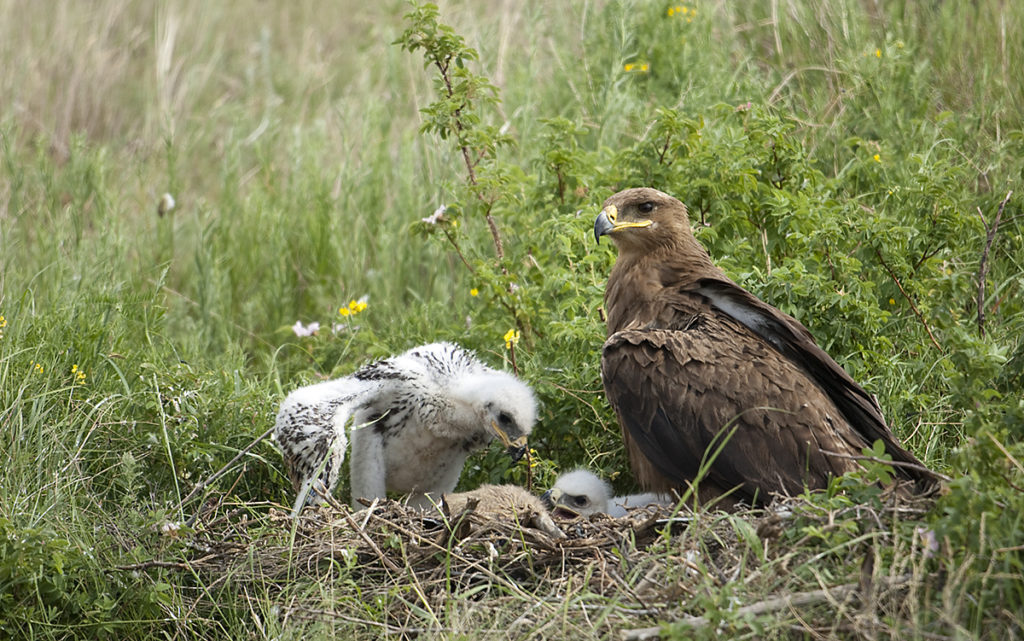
(79, 375)
(644, 67)
(511, 338)
(892, 301)
(878, 53)
(38, 367)
(474, 292)
(878, 158)
(353, 308)
(629, 66)
(3, 321)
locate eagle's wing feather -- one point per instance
(679, 393)
(793, 341)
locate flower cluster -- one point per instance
(511, 338)
(682, 11)
(3, 324)
(354, 307)
(639, 67)
(78, 374)
(38, 367)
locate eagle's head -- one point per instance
(578, 493)
(507, 406)
(642, 219)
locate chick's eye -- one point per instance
(580, 501)
(646, 208)
(504, 418)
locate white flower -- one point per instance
(307, 330)
(434, 217)
(165, 205)
(930, 541)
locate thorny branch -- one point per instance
(990, 236)
(910, 300)
(445, 68)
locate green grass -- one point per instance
(854, 191)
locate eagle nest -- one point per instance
(392, 544)
(653, 561)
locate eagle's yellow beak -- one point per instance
(516, 449)
(607, 223)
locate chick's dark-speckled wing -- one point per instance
(681, 393)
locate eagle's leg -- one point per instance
(367, 468)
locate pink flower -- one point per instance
(436, 216)
(307, 330)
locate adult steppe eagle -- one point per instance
(413, 420)
(694, 363)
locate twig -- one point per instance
(177, 565)
(458, 250)
(204, 484)
(910, 300)
(373, 546)
(990, 236)
(388, 628)
(423, 540)
(873, 459)
(774, 604)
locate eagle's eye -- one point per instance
(580, 501)
(646, 208)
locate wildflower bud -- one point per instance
(165, 205)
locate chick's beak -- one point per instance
(552, 501)
(516, 449)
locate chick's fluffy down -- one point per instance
(506, 502)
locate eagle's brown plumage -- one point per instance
(692, 357)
